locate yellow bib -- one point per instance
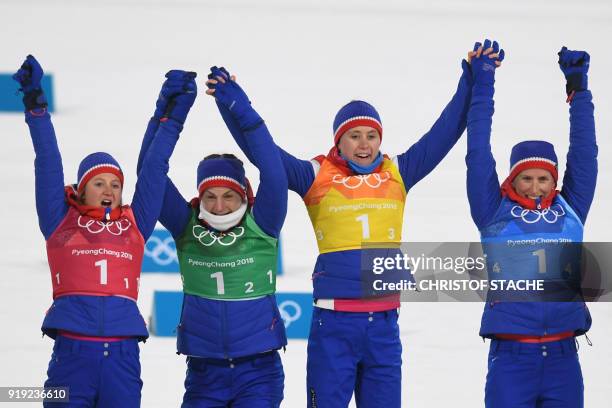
(349, 211)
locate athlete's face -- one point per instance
(221, 200)
(103, 190)
(534, 183)
(360, 144)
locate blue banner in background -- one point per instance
(160, 254)
(166, 313)
(10, 98)
(295, 310)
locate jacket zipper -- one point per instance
(224, 338)
(101, 316)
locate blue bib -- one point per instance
(534, 245)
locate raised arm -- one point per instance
(153, 189)
(175, 211)
(482, 182)
(423, 156)
(270, 206)
(172, 86)
(580, 175)
(300, 173)
(51, 205)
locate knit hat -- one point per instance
(533, 154)
(353, 114)
(222, 171)
(94, 164)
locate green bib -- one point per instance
(237, 264)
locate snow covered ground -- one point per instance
(299, 61)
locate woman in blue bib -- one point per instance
(227, 245)
(527, 227)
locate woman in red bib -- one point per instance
(95, 245)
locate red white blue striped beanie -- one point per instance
(94, 164)
(353, 114)
(533, 154)
(222, 172)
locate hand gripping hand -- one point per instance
(575, 66)
(29, 76)
(485, 59)
(177, 96)
(229, 94)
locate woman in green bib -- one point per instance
(227, 245)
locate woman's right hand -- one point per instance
(29, 77)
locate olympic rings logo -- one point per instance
(290, 311)
(549, 215)
(208, 238)
(379, 179)
(113, 227)
(162, 252)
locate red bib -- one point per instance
(91, 257)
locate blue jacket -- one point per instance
(96, 315)
(500, 219)
(341, 269)
(221, 329)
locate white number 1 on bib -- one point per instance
(365, 226)
(541, 254)
(103, 271)
(220, 284)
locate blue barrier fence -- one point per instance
(10, 98)
(160, 253)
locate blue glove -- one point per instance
(575, 66)
(177, 96)
(173, 85)
(29, 76)
(231, 96)
(483, 67)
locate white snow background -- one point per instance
(299, 61)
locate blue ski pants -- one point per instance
(98, 374)
(354, 352)
(540, 375)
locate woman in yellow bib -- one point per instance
(355, 195)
